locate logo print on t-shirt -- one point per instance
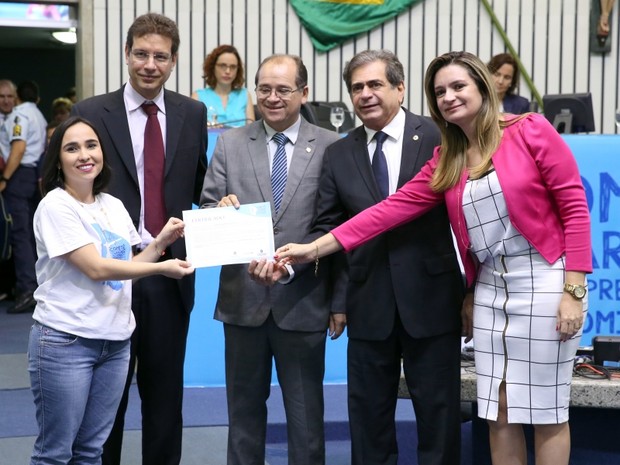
(113, 246)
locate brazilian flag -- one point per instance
(331, 22)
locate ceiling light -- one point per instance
(66, 37)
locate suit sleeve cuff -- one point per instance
(291, 275)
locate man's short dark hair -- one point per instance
(154, 23)
(28, 91)
(394, 70)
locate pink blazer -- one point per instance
(541, 183)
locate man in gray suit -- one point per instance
(268, 314)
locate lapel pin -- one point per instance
(308, 149)
(415, 137)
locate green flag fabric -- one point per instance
(331, 22)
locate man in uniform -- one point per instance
(22, 144)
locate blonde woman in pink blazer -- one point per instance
(518, 210)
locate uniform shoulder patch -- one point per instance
(17, 128)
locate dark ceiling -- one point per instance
(31, 38)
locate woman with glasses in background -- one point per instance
(228, 102)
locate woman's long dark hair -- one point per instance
(52, 175)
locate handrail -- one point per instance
(513, 52)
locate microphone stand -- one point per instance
(226, 124)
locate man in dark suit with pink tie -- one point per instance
(154, 184)
(405, 289)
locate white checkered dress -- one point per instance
(517, 297)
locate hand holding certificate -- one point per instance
(227, 235)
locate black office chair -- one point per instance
(320, 114)
(308, 113)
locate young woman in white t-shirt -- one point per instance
(78, 351)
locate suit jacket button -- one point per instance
(275, 231)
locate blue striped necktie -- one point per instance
(278, 170)
(379, 165)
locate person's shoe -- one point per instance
(23, 303)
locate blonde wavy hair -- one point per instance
(454, 143)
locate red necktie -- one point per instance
(154, 206)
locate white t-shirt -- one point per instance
(67, 300)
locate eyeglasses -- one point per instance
(142, 56)
(282, 92)
(225, 67)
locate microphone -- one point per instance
(227, 124)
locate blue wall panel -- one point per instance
(599, 162)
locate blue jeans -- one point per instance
(77, 385)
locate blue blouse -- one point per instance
(234, 114)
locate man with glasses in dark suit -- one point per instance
(176, 170)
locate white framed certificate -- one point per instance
(226, 235)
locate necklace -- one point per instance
(102, 225)
(98, 213)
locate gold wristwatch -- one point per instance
(576, 290)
